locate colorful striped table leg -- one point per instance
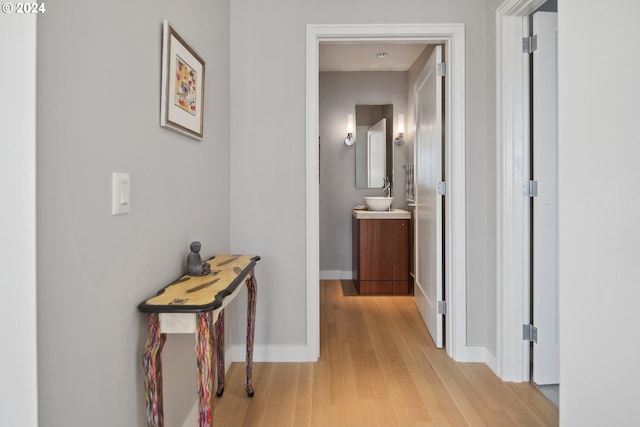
(251, 317)
(205, 353)
(219, 340)
(152, 369)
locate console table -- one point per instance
(193, 304)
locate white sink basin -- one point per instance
(378, 203)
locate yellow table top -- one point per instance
(194, 294)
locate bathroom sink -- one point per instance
(378, 203)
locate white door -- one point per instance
(545, 205)
(377, 154)
(428, 212)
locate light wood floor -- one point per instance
(377, 367)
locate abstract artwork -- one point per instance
(186, 82)
(182, 101)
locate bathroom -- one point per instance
(388, 80)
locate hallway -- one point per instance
(377, 367)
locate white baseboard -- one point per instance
(492, 362)
(336, 275)
(192, 418)
(478, 354)
(274, 353)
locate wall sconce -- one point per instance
(399, 140)
(349, 140)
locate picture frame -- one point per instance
(183, 79)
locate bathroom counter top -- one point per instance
(392, 214)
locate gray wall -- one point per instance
(340, 92)
(268, 147)
(98, 112)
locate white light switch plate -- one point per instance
(120, 193)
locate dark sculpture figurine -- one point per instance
(195, 265)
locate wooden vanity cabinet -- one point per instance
(381, 256)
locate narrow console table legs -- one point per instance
(251, 318)
(205, 353)
(152, 368)
(220, 347)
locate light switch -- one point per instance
(120, 193)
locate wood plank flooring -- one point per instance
(378, 367)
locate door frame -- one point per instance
(513, 213)
(18, 251)
(453, 38)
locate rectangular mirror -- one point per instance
(374, 145)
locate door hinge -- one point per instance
(529, 44)
(530, 188)
(530, 333)
(441, 188)
(441, 69)
(442, 307)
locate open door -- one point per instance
(545, 205)
(428, 210)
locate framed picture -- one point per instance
(182, 102)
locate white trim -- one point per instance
(453, 37)
(19, 308)
(192, 418)
(313, 196)
(336, 275)
(482, 354)
(272, 353)
(513, 218)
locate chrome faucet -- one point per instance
(386, 186)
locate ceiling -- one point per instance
(362, 56)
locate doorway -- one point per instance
(452, 37)
(545, 370)
(515, 267)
